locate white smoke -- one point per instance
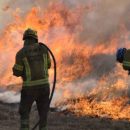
(9, 97)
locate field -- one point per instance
(9, 120)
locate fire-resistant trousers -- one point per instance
(40, 94)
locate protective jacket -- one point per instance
(32, 64)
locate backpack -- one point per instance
(120, 54)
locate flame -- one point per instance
(58, 26)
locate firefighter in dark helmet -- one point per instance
(32, 64)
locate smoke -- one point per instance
(102, 64)
(105, 20)
(100, 24)
(9, 97)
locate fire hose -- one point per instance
(54, 82)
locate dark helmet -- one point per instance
(120, 54)
(30, 33)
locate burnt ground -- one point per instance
(9, 120)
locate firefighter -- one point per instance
(32, 64)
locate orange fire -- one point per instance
(59, 26)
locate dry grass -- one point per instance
(9, 120)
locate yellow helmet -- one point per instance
(30, 33)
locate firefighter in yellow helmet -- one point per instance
(32, 64)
